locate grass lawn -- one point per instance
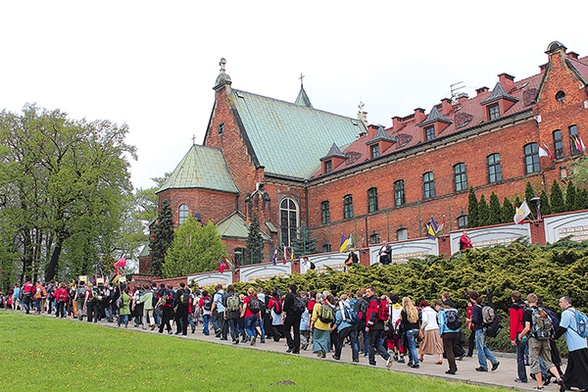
(47, 354)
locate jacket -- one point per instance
(516, 319)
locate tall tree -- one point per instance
(472, 209)
(571, 196)
(163, 237)
(254, 251)
(305, 244)
(483, 212)
(545, 205)
(508, 211)
(529, 192)
(196, 248)
(557, 199)
(495, 215)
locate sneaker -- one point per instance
(389, 362)
(520, 381)
(538, 388)
(356, 360)
(401, 360)
(415, 366)
(450, 372)
(336, 358)
(409, 364)
(495, 365)
(481, 369)
(252, 342)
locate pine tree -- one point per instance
(557, 199)
(472, 209)
(163, 237)
(583, 199)
(571, 196)
(529, 193)
(545, 205)
(508, 211)
(495, 216)
(254, 251)
(517, 203)
(483, 212)
(304, 244)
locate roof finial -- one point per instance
(193, 139)
(360, 106)
(222, 64)
(301, 80)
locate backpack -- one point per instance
(254, 305)
(351, 315)
(185, 298)
(277, 306)
(81, 293)
(207, 304)
(488, 315)
(581, 321)
(326, 314)
(299, 305)
(454, 319)
(361, 307)
(384, 310)
(233, 303)
(541, 326)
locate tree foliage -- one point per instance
(254, 251)
(305, 244)
(195, 248)
(529, 192)
(495, 215)
(557, 199)
(508, 211)
(62, 183)
(472, 209)
(163, 237)
(483, 212)
(571, 196)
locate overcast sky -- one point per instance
(152, 65)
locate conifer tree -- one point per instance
(472, 209)
(508, 211)
(516, 204)
(545, 205)
(254, 251)
(529, 193)
(571, 196)
(583, 199)
(483, 212)
(304, 244)
(495, 216)
(557, 199)
(163, 237)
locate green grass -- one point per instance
(43, 353)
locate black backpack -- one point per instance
(299, 305)
(454, 319)
(254, 305)
(186, 296)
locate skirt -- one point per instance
(432, 343)
(321, 340)
(576, 374)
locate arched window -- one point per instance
(347, 207)
(288, 221)
(575, 140)
(494, 168)
(462, 222)
(326, 212)
(459, 174)
(558, 144)
(375, 238)
(428, 185)
(183, 215)
(402, 234)
(532, 158)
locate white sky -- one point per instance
(152, 64)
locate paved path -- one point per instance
(504, 376)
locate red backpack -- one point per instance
(384, 311)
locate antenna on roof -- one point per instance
(455, 87)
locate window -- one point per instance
(462, 222)
(493, 111)
(428, 185)
(375, 150)
(183, 215)
(399, 193)
(558, 144)
(459, 174)
(375, 238)
(221, 129)
(239, 256)
(560, 96)
(328, 167)
(347, 207)
(494, 168)
(288, 221)
(372, 199)
(326, 247)
(574, 140)
(325, 212)
(402, 234)
(430, 133)
(531, 158)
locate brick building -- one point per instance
(340, 175)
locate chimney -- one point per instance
(507, 81)
(573, 55)
(446, 105)
(461, 98)
(481, 91)
(543, 67)
(372, 130)
(419, 115)
(396, 123)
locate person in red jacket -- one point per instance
(516, 311)
(61, 295)
(27, 295)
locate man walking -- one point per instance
(484, 353)
(576, 374)
(374, 328)
(291, 313)
(516, 312)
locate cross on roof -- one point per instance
(301, 79)
(193, 140)
(222, 64)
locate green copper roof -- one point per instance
(235, 227)
(202, 167)
(145, 251)
(290, 139)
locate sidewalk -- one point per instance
(503, 377)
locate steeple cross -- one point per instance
(301, 80)
(222, 64)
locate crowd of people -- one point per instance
(387, 326)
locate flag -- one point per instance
(275, 257)
(578, 143)
(546, 149)
(430, 231)
(441, 226)
(292, 254)
(521, 212)
(221, 266)
(352, 242)
(285, 254)
(543, 152)
(343, 244)
(434, 230)
(229, 264)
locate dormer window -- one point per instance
(375, 150)
(328, 167)
(430, 133)
(493, 111)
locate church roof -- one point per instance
(289, 139)
(202, 167)
(235, 226)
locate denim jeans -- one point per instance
(251, 324)
(123, 318)
(484, 353)
(521, 370)
(413, 356)
(205, 320)
(375, 346)
(234, 329)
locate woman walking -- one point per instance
(432, 343)
(320, 327)
(410, 322)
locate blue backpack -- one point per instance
(351, 316)
(581, 321)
